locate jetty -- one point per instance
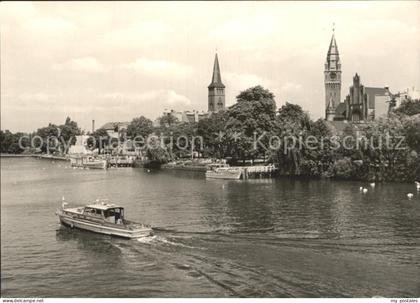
(259, 171)
(121, 161)
(247, 172)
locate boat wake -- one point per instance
(220, 231)
(162, 240)
(176, 231)
(147, 240)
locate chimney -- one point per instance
(93, 126)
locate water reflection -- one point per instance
(262, 237)
(95, 247)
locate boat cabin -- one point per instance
(216, 166)
(109, 212)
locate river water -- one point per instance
(213, 238)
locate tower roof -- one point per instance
(216, 80)
(333, 54)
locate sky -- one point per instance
(113, 61)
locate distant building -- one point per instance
(115, 129)
(216, 101)
(409, 94)
(80, 147)
(364, 103)
(216, 89)
(183, 116)
(361, 104)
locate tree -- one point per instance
(412, 133)
(168, 120)
(48, 134)
(319, 161)
(156, 153)
(343, 168)
(99, 139)
(213, 131)
(294, 114)
(387, 157)
(59, 137)
(409, 107)
(292, 124)
(6, 140)
(68, 132)
(9, 142)
(250, 118)
(179, 139)
(140, 126)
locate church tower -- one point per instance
(332, 79)
(216, 90)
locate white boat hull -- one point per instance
(141, 232)
(231, 175)
(96, 164)
(84, 162)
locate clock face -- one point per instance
(333, 75)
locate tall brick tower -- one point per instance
(332, 79)
(216, 90)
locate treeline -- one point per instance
(253, 129)
(41, 140)
(386, 149)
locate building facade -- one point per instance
(183, 116)
(216, 101)
(365, 103)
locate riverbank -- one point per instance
(15, 155)
(200, 168)
(39, 156)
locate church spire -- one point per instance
(333, 49)
(216, 89)
(216, 80)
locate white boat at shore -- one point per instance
(103, 218)
(88, 162)
(224, 172)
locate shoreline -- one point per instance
(47, 157)
(196, 168)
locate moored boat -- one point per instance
(89, 162)
(225, 172)
(103, 218)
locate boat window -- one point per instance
(109, 213)
(89, 210)
(98, 212)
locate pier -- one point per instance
(255, 172)
(247, 172)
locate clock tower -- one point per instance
(332, 79)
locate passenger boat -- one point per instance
(103, 218)
(89, 162)
(224, 172)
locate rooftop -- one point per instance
(103, 206)
(113, 125)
